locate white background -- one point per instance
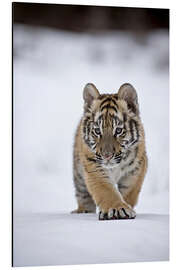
(5, 176)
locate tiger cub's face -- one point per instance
(111, 124)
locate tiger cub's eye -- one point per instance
(97, 131)
(118, 130)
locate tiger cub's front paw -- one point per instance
(122, 213)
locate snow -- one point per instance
(57, 238)
(50, 71)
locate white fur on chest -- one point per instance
(116, 175)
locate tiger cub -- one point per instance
(110, 159)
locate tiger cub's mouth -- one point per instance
(109, 162)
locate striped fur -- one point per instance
(110, 159)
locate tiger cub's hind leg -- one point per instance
(84, 199)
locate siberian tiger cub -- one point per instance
(110, 159)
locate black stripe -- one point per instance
(118, 160)
(99, 119)
(78, 176)
(118, 155)
(91, 159)
(137, 131)
(99, 159)
(88, 142)
(85, 195)
(125, 212)
(126, 155)
(86, 123)
(88, 127)
(104, 101)
(115, 96)
(124, 117)
(121, 186)
(127, 165)
(109, 99)
(113, 101)
(132, 172)
(131, 130)
(131, 162)
(124, 130)
(134, 140)
(86, 130)
(136, 152)
(117, 120)
(105, 96)
(94, 134)
(109, 107)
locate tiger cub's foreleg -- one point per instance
(107, 197)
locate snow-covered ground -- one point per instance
(50, 71)
(52, 239)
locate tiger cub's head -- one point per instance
(111, 124)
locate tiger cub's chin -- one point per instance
(109, 151)
(109, 166)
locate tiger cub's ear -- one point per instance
(89, 94)
(128, 93)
